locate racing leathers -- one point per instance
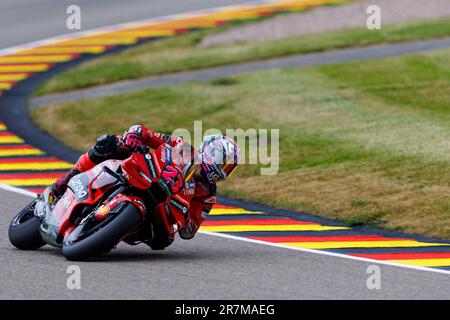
(117, 147)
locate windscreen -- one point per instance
(185, 157)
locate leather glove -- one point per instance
(133, 137)
(106, 145)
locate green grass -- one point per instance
(363, 142)
(183, 53)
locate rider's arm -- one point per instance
(154, 139)
(106, 147)
(198, 211)
(110, 147)
(138, 134)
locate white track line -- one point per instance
(276, 245)
(17, 190)
(326, 253)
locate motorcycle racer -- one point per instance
(218, 159)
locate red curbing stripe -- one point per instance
(37, 54)
(35, 190)
(282, 239)
(253, 222)
(25, 176)
(219, 23)
(181, 30)
(17, 147)
(29, 52)
(7, 134)
(404, 255)
(71, 55)
(222, 206)
(18, 65)
(57, 45)
(27, 73)
(12, 83)
(267, 12)
(27, 160)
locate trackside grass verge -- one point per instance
(363, 142)
(183, 53)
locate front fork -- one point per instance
(44, 203)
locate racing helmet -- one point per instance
(219, 157)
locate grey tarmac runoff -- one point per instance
(206, 267)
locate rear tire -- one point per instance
(104, 239)
(23, 231)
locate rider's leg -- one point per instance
(106, 147)
(83, 164)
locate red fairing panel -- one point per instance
(84, 189)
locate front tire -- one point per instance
(23, 231)
(105, 238)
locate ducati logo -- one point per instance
(163, 155)
(179, 206)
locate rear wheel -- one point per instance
(93, 238)
(24, 229)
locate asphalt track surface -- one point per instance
(24, 21)
(206, 267)
(295, 61)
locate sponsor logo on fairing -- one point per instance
(79, 187)
(145, 177)
(205, 214)
(210, 200)
(163, 155)
(166, 154)
(179, 206)
(150, 165)
(187, 191)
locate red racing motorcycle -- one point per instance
(135, 200)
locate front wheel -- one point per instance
(23, 231)
(92, 239)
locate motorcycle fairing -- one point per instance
(84, 189)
